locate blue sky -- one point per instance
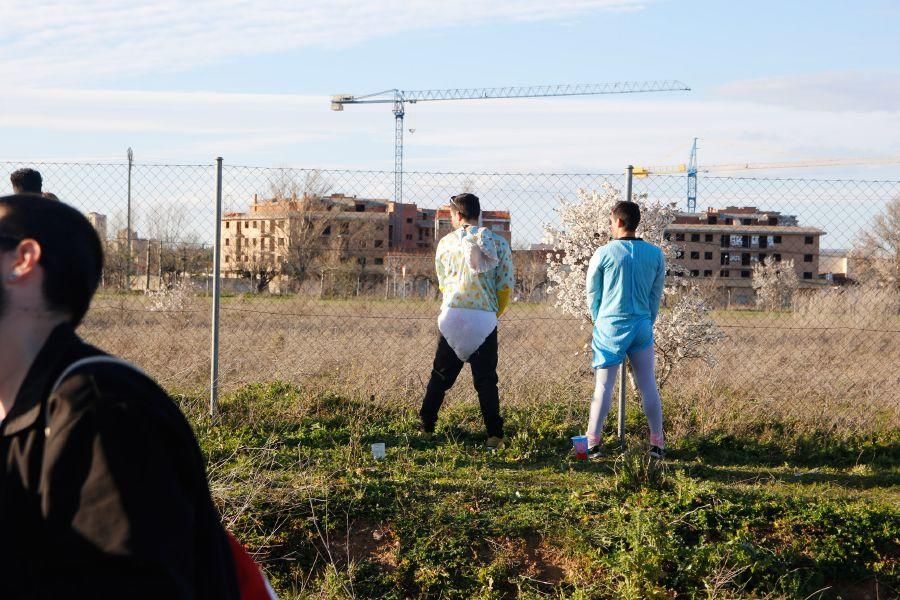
(185, 82)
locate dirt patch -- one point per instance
(366, 540)
(544, 563)
(861, 590)
(529, 557)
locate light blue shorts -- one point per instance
(615, 337)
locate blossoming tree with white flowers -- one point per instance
(775, 284)
(682, 333)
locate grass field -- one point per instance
(833, 357)
(783, 479)
(761, 511)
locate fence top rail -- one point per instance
(557, 174)
(682, 176)
(382, 172)
(117, 163)
(409, 172)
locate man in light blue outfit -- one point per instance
(624, 286)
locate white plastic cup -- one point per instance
(378, 451)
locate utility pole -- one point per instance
(159, 262)
(147, 269)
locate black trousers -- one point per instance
(446, 369)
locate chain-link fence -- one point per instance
(157, 224)
(325, 280)
(801, 277)
(360, 306)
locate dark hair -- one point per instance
(71, 252)
(629, 212)
(26, 181)
(467, 205)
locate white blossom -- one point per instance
(775, 284)
(683, 333)
(172, 298)
(686, 331)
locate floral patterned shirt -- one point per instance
(462, 286)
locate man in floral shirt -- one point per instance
(475, 275)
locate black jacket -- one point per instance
(103, 491)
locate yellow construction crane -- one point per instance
(691, 169)
(831, 162)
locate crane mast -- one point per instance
(692, 169)
(399, 113)
(692, 179)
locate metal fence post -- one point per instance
(147, 269)
(214, 355)
(130, 155)
(628, 177)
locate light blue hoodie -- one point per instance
(625, 278)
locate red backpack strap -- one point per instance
(252, 584)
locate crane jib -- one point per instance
(399, 97)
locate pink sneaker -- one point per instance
(657, 445)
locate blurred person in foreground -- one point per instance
(624, 286)
(26, 181)
(103, 492)
(475, 275)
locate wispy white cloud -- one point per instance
(178, 113)
(845, 91)
(589, 135)
(58, 42)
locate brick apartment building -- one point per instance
(498, 221)
(335, 227)
(345, 229)
(724, 244)
(99, 222)
(411, 228)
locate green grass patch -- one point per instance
(762, 514)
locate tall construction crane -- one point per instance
(691, 169)
(399, 98)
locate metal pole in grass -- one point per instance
(629, 172)
(130, 156)
(214, 355)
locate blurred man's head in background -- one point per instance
(26, 181)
